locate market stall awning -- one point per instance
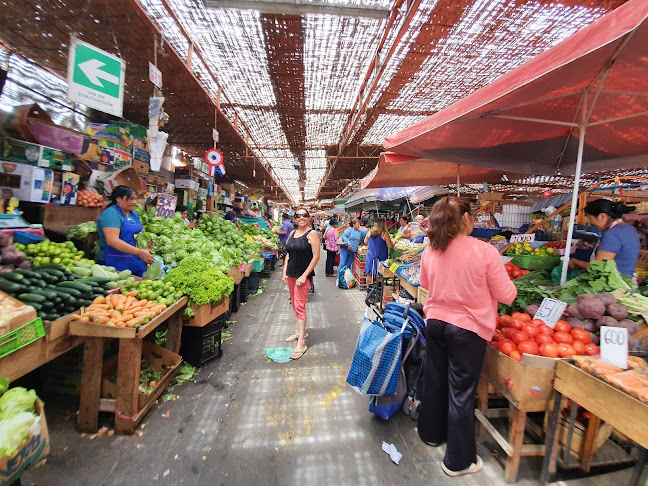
(399, 170)
(427, 192)
(528, 120)
(394, 193)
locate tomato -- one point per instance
(536, 322)
(524, 317)
(516, 273)
(579, 347)
(549, 350)
(516, 355)
(494, 344)
(526, 272)
(581, 335)
(563, 337)
(498, 336)
(562, 326)
(544, 329)
(592, 349)
(517, 324)
(509, 266)
(507, 346)
(566, 350)
(544, 338)
(531, 331)
(528, 347)
(508, 332)
(505, 320)
(519, 336)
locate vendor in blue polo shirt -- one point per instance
(620, 241)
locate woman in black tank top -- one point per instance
(303, 253)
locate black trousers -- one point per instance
(453, 363)
(330, 261)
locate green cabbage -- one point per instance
(15, 431)
(16, 400)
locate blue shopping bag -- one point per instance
(376, 360)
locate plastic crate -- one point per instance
(21, 337)
(265, 273)
(258, 265)
(273, 262)
(361, 258)
(202, 344)
(532, 262)
(267, 255)
(358, 269)
(243, 290)
(253, 283)
(487, 233)
(235, 299)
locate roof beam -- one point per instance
(301, 7)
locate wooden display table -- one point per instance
(527, 388)
(385, 271)
(609, 404)
(57, 341)
(127, 411)
(412, 289)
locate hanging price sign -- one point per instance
(166, 206)
(522, 238)
(550, 311)
(614, 346)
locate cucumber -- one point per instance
(36, 305)
(10, 287)
(69, 291)
(25, 282)
(39, 283)
(89, 282)
(71, 308)
(84, 303)
(81, 287)
(32, 297)
(50, 317)
(49, 294)
(28, 273)
(12, 276)
(58, 267)
(99, 280)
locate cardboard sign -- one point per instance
(522, 238)
(550, 311)
(155, 75)
(393, 267)
(614, 346)
(166, 206)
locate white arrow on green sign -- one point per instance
(96, 78)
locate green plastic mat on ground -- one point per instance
(280, 355)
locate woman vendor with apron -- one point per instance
(620, 241)
(117, 226)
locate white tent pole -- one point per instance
(458, 181)
(574, 202)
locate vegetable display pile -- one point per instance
(633, 381)
(531, 288)
(200, 281)
(265, 243)
(599, 277)
(514, 271)
(89, 199)
(406, 246)
(47, 252)
(82, 231)
(253, 231)
(154, 290)
(18, 421)
(12, 257)
(526, 249)
(53, 290)
(518, 333)
(120, 310)
(229, 240)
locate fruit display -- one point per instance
(52, 290)
(412, 274)
(525, 248)
(88, 199)
(120, 310)
(514, 271)
(12, 256)
(153, 290)
(47, 252)
(518, 333)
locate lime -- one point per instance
(56, 260)
(77, 258)
(45, 260)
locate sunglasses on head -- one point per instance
(301, 215)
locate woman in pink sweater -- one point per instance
(466, 279)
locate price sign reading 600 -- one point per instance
(614, 346)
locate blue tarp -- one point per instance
(250, 220)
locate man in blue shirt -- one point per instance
(284, 232)
(232, 216)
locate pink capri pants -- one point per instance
(299, 296)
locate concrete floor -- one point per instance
(247, 421)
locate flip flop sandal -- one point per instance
(298, 353)
(294, 337)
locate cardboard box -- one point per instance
(34, 451)
(142, 168)
(212, 204)
(524, 385)
(19, 151)
(51, 158)
(25, 182)
(70, 189)
(105, 182)
(141, 155)
(228, 187)
(17, 121)
(187, 184)
(206, 313)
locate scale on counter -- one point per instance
(11, 221)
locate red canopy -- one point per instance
(529, 119)
(396, 170)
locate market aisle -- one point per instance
(247, 421)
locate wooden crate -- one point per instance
(422, 295)
(578, 437)
(206, 313)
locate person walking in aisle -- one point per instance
(351, 237)
(303, 247)
(378, 245)
(330, 236)
(284, 231)
(465, 278)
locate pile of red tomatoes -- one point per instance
(514, 271)
(519, 333)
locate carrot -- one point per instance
(120, 324)
(129, 301)
(75, 317)
(99, 300)
(109, 300)
(101, 319)
(150, 305)
(132, 322)
(135, 308)
(85, 319)
(116, 315)
(132, 293)
(141, 314)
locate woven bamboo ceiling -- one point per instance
(311, 95)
